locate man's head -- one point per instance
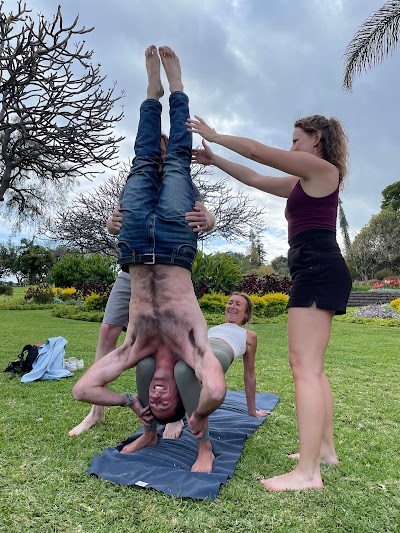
(164, 398)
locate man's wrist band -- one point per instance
(129, 399)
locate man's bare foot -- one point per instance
(148, 438)
(172, 68)
(173, 430)
(155, 90)
(326, 459)
(292, 481)
(95, 416)
(205, 458)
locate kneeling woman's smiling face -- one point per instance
(236, 310)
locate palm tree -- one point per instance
(372, 41)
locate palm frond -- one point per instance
(372, 41)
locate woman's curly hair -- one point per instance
(333, 143)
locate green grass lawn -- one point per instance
(44, 485)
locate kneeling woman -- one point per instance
(229, 341)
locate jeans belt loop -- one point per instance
(152, 261)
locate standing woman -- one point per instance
(316, 164)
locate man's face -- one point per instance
(163, 395)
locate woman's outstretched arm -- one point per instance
(277, 186)
(301, 164)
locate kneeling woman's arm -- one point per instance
(249, 375)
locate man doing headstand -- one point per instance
(158, 247)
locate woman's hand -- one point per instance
(262, 412)
(198, 125)
(203, 156)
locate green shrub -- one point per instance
(27, 305)
(217, 272)
(41, 294)
(75, 312)
(384, 274)
(213, 303)
(73, 269)
(362, 286)
(6, 290)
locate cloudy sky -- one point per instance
(251, 68)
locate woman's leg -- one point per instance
(309, 331)
(189, 389)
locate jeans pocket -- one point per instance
(187, 251)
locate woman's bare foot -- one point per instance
(172, 68)
(155, 90)
(95, 416)
(205, 458)
(148, 438)
(292, 481)
(173, 430)
(326, 459)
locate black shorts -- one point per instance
(318, 271)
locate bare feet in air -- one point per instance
(293, 481)
(155, 90)
(172, 68)
(95, 416)
(173, 430)
(148, 438)
(205, 458)
(326, 459)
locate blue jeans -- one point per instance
(154, 229)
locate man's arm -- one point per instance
(92, 387)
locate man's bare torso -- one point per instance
(164, 312)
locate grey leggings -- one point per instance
(188, 385)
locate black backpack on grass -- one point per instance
(25, 361)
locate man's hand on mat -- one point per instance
(262, 412)
(144, 413)
(197, 424)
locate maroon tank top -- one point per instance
(305, 212)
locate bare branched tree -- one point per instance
(81, 226)
(373, 41)
(56, 120)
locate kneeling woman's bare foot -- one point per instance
(205, 458)
(327, 459)
(148, 438)
(173, 430)
(172, 68)
(292, 481)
